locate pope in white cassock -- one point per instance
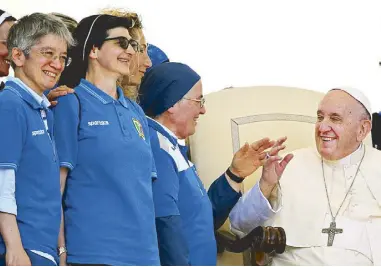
(329, 197)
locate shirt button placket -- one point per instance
(121, 120)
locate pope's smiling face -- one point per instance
(341, 126)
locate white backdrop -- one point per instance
(309, 44)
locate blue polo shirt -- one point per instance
(28, 148)
(109, 210)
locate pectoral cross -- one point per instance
(331, 231)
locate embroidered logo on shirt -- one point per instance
(39, 132)
(96, 123)
(139, 128)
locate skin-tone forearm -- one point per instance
(10, 231)
(266, 188)
(15, 254)
(234, 185)
(63, 175)
(61, 236)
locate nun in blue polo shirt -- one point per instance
(186, 214)
(107, 166)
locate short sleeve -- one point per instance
(166, 187)
(66, 121)
(12, 134)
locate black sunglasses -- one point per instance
(124, 42)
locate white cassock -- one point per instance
(305, 210)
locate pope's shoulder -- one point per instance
(308, 154)
(373, 152)
(305, 161)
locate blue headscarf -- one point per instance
(164, 86)
(156, 55)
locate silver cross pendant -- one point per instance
(331, 231)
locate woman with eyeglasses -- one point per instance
(140, 61)
(107, 166)
(186, 215)
(30, 199)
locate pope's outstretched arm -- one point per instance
(262, 201)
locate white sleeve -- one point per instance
(252, 210)
(7, 191)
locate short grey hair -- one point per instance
(31, 28)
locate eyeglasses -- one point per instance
(201, 100)
(64, 60)
(124, 42)
(142, 48)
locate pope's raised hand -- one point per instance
(274, 167)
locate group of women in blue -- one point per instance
(105, 144)
(130, 196)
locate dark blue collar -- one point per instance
(102, 96)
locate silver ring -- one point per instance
(267, 155)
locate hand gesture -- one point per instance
(57, 92)
(274, 167)
(250, 157)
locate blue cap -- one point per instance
(164, 85)
(156, 55)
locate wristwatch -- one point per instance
(234, 177)
(61, 250)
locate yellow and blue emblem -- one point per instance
(139, 128)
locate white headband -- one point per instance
(87, 38)
(4, 16)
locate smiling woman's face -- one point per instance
(112, 57)
(4, 30)
(140, 61)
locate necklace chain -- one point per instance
(350, 187)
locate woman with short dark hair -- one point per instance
(105, 153)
